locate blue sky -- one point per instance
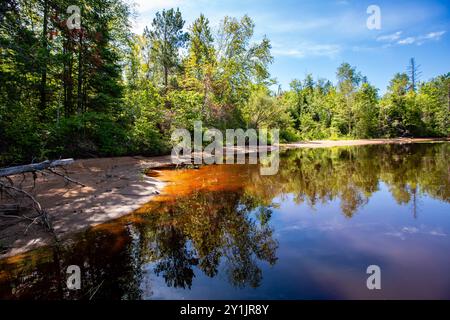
(310, 36)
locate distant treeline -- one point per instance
(100, 90)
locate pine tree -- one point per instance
(414, 74)
(167, 37)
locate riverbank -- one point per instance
(357, 142)
(114, 187)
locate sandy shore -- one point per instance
(359, 142)
(114, 187)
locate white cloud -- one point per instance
(421, 39)
(412, 231)
(409, 40)
(147, 5)
(298, 26)
(434, 35)
(395, 38)
(390, 37)
(305, 49)
(342, 24)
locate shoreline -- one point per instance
(358, 142)
(115, 187)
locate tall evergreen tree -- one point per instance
(167, 38)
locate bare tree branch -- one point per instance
(65, 177)
(34, 167)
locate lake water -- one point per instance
(226, 232)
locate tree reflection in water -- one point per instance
(204, 229)
(217, 220)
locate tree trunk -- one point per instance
(85, 95)
(43, 87)
(68, 78)
(65, 81)
(70, 81)
(166, 77)
(80, 76)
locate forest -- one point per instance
(101, 90)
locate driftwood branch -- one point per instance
(23, 217)
(35, 167)
(36, 204)
(13, 191)
(66, 177)
(42, 214)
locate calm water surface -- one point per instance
(225, 232)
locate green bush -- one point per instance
(146, 139)
(87, 135)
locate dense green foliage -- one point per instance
(101, 90)
(353, 108)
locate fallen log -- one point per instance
(35, 167)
